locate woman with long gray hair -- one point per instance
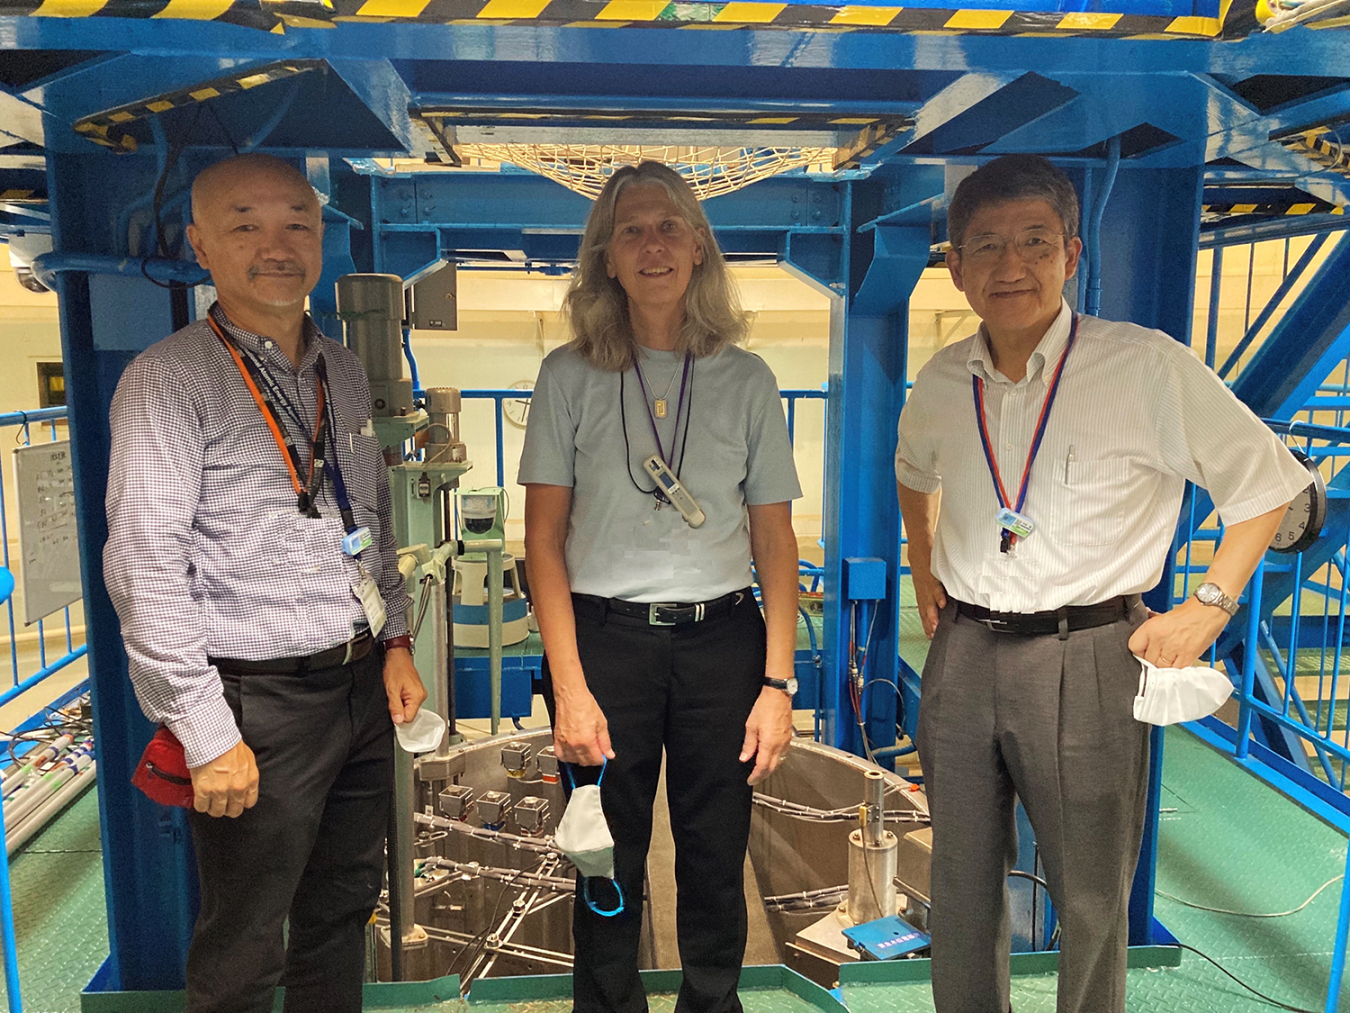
(657, 469)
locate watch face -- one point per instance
(792, 687)
(1209, 594)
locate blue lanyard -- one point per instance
(339, 485)
(977, 387)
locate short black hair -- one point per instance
(1012, 177)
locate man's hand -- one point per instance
(580, 731)
(930, 595)
(1176, 639)
(768, 733)
(402, 685)
(227, 785)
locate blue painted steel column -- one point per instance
(1151, 232)
(868, 334)
(147, 857)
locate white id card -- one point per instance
(372, 602)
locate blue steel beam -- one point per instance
(1310, 340)
(147, 858)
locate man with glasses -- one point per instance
(1058, 447)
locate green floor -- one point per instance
(1227, 841)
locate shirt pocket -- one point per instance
(362, 462)
(1097, 495)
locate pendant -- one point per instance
(660, 407)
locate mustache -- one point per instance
(276, 267)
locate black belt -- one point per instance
(662, 613)
(1061, 621)
(343, 654)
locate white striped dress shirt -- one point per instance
(207, 554)
(1136, 416)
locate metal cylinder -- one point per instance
(371, 308)
(443, 442)
(872, 856)
(871, 876)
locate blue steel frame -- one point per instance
(861, 235)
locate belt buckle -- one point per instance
(347, 654)
(652, 619)
(996, 625)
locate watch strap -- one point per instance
(405, 640)
(776, 683)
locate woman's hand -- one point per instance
(768, 733)
(580, 731)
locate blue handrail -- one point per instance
(500, 394)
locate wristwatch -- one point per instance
(1212, 594)
(788, 686)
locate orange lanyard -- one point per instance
(307, 491)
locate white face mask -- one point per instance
(1169, 695)
(583, 836)
(423, 733)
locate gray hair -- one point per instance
(1012, 177)
(596, 306)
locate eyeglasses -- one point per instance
(1033, 244)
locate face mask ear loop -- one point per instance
(590, 902)
(604, 765)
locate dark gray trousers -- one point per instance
(312, 849)
(1051, 722)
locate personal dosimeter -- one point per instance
(677, 494)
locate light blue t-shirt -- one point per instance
(737, 454)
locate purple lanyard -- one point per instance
(688, 359)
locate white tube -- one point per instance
(40, 817)
(20, 774)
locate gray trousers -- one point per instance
(1048, 721)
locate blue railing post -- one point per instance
(1338, 953)
(1251, 647)
(7, 930)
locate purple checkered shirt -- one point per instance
(207, 554)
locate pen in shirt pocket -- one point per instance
(1068, 461)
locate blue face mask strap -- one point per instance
(590, 902)
(572, 781)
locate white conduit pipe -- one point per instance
(20, 773)
(46, 786)
(40, 817)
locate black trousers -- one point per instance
(312, 849)
(688, 689)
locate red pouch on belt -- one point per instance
(162, 772)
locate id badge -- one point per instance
(372, 602)
(1019, 524)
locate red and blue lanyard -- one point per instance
(266, 394)
(1004, 501)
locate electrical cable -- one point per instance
(1252, 914)
(479, 942)
(1019, 874)
(161, 247)
(1260, 995)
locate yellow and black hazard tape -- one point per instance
(1322, 145)
(108, 127)
(277, 15)
(1213, 212)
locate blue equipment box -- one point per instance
(864, 578)
(886, 938)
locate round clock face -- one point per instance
(1302, 522)
(517, 410)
